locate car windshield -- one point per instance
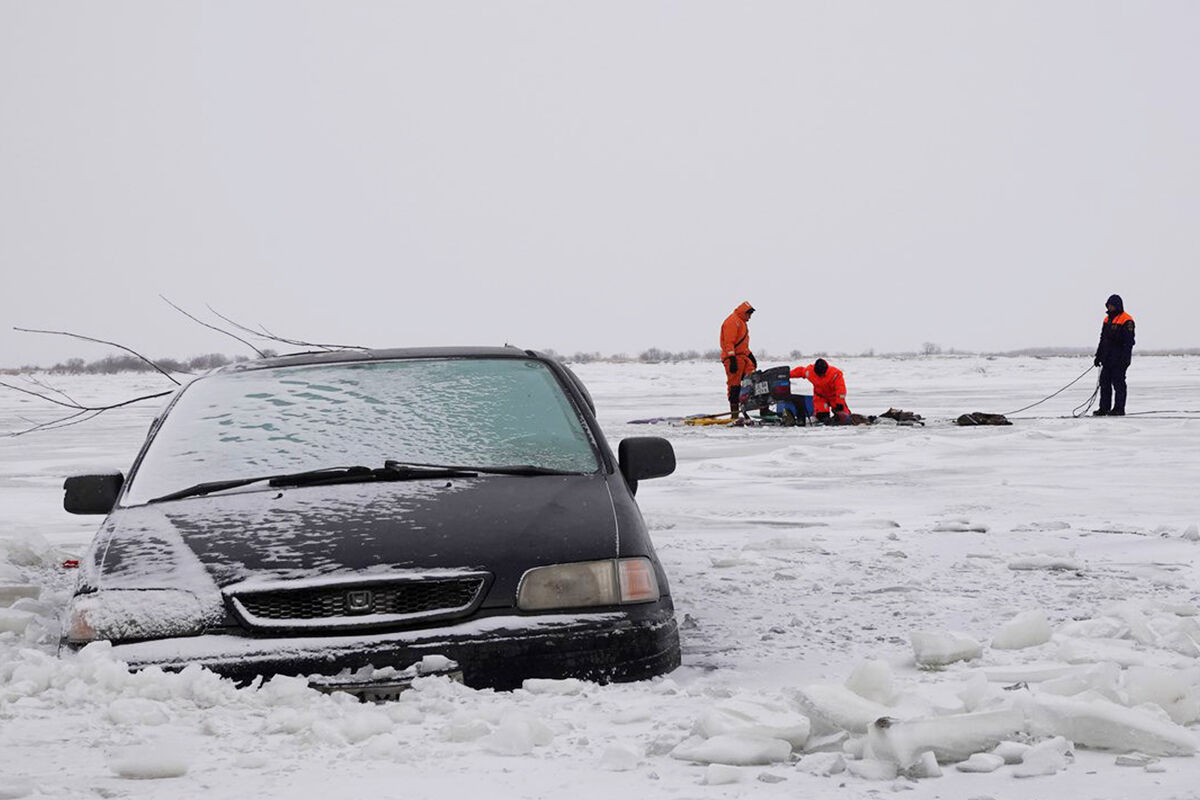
(493, 412)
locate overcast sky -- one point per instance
(605, 176)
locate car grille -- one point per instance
(358, 604)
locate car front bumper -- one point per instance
(497, 652)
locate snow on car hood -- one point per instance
(502, 524)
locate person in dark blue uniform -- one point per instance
(1113, 355)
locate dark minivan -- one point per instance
(361, 517)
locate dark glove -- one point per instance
(839, 408)
(731, 363)
(753, 360)
(1096, 362)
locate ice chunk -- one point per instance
(873, 680)
(951, 738)
(517, 734)
(1181, 635)
(14, 621)
(872, 770)
(137, 711)
(1045, 758)
(1135, 760)
(435, 663)
(1100, 678)
(285, 690)
(981, 762)
(1096, 628)
(974, 691)
(1170, 689)
(1095, 722)
(823, 764)
(754, 716)
(1011, 752)
(1192, 533)
(938, 648)
(1027, 629)
(28, 550)
(1028, 673)
(831, 708)
(151, 761)
(363, 725)
(721, 774)
(467, 729)
(926, 766)
(735, 749)
(619, 758)
(1098, 651)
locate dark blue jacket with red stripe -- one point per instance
(1116, 335)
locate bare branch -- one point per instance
(260, 353)
(61, 422)
(102, 341)
(49, 388)
(47, 398)
(266, 334)
(80, 406)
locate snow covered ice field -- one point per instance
(1057, 555)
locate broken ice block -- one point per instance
(833, 708)
(754, 716)
(1027, 629)
(733, 749)
(1099, 723)
(951, 738)
(981, 762)
(935, 649)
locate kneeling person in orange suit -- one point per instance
(829, 390)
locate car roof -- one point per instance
(364, 354)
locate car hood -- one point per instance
(498, 524)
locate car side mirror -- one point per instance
(644, 457)
(92, 494)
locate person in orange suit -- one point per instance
(829, 390)
(735, 353)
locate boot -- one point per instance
(733, 410)
(1100, 412)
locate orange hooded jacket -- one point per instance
(735, 341)
(829, 390)
(735, 334)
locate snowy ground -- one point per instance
(795, 556)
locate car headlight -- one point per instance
(588, 583)
(122, 614)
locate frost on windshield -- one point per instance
(470, 412)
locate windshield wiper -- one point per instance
(390, 471)
(507, 469)
(523, 469)
(205, 488)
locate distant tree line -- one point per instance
(112, 364)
